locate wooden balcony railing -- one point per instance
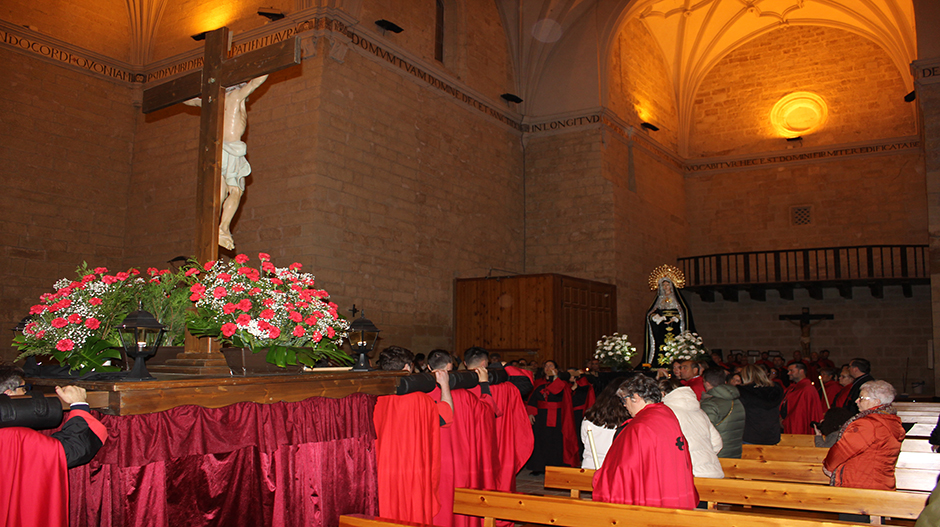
(873, 265)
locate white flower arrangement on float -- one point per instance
(687, 346)
(615, 351)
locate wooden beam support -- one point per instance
(729, 293)
(786, 292)
(877, 290)
(758, 293)
(815, 292)
(908, 290)
(845, 291)
(707, 295)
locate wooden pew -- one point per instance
(359, 520)
(796, 440)
(565, 512)
(793, 496)
(915, 471)
(760, 470)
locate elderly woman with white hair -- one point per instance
(869, 443)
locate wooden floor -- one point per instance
(215, 391)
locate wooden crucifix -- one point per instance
(805, 321)
(218, 72)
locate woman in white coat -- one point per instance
(602, 420)
(704, 440)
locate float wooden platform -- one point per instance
(215, 391)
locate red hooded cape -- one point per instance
(802, 407)
(648, 464)
(34, 489)
(469, 456)
(408, 452)
(514, 437)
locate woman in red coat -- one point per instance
(867, 450)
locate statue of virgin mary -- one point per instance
(669, 316)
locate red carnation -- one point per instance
(317, 337)
(229, 308)
(268, 302)
(92, 323)
(311, 320)
(37, 309)
(108, 279)
(134, 272)
(229, 329)
(29, 328)
(152, 271)
(101, 270)
(95, 301)
(254, 291)
(267, 266)
(224, 277)
(243, 320)
(208, 265)
(88, 278)
(298, 331)
(237, 288)
(192, 271)
(64, 345)
(274, 333)
(122, 276)
(267, 314)
(242, 258)
(294, 266)
(219, 292)
(277, 281)
(41, 334)
(264, 257)
(75, 318)
(59, 322)
(244, 304)
(296, 317)
(330, 332)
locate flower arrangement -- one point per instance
(75, 324)
(277, 308)
(615, 351)
(687, 346)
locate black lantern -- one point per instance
(362, 337)
(141, 334)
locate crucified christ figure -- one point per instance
(235, 167)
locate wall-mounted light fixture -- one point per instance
(910, 96)
(389, 26)
(199, 36)
(649, 126)
(271, 13)
(794, 139)
(511, 97)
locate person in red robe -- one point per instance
(648, 463)
(514, 439)
(34, 490)
(550, 410)
(408, 444)
(830, 387)
(801, 405)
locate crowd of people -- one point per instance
(647, 433)
(664, 427)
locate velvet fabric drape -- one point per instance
(281, 464)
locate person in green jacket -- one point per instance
(723, 406)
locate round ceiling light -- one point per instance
(798, 114)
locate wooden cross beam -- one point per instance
(218, 72)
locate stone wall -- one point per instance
(891, 332)
(102, 26)
(67, 146)
(861, 86)
(639, 87)
(854, 201)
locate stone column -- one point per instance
(927, 85)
